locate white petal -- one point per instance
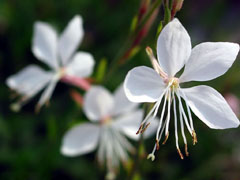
(173, 47)
(121, 102)
(98, 103)
(130, 123)
(70, 39)
(47, 92)
(81, 65)
(80, 139)
(45, 44)
(29, 81)
(143, 84)
(209, 60)
(210, 107)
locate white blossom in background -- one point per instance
(59, 53)
(112, 117)
(204, 62)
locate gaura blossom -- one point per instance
(204, 62)
(58, 52)
(112, 117)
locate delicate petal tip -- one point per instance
(80, 140)
(208, 56)
(173, 47)
(70, 38)
(121, 102)
(213, 111)
(44, 44)
(81, 65)
(143, 84)
(98, 103)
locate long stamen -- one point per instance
(183, 113)
(183, 134)
(188, 109)
(168, 116)
(176, 127)
(194, 135)
(161, 118)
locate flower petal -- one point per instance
(143, 84)
(210, 107)
(121, 102)
(45, 44)
(70, 39)
(81, 139)
(47, 93)
(98, 103)
(29, 81)
(81, 65)
(130, 123)
(209, 60)
(173, 47)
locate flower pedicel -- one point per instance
(204, 62)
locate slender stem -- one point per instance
(115, 63)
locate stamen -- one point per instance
(161, 118)
(183, 113)
(157, 144)
(168, 114)
(166, 138)
(180, 153)
(175, 124)
(194, 135)
(186, 150)
(144, 129)
(140, 129)
(188, 110)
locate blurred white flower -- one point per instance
(58, 52)
(112, 116)
(204, 62)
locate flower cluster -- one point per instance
(115, 117)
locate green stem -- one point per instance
(115, 63)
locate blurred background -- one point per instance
(30, 142)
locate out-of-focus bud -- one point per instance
(176, 6)
(233, 102)
(77, 97)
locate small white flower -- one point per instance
(59, 54)
(112, 117)
(204, 62)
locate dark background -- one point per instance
(30, 142)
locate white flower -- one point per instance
(112, 117)
(204, 62)
(59, 54)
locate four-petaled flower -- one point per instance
(204, 62)
(112, 117)
(58, 54)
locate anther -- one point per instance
(144, 129)
(140, 129)
(157, 144)
(180, 153)
(194, 136)
(166, 138)
(186, 150)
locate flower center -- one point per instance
(173, 83)
(106, 120)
